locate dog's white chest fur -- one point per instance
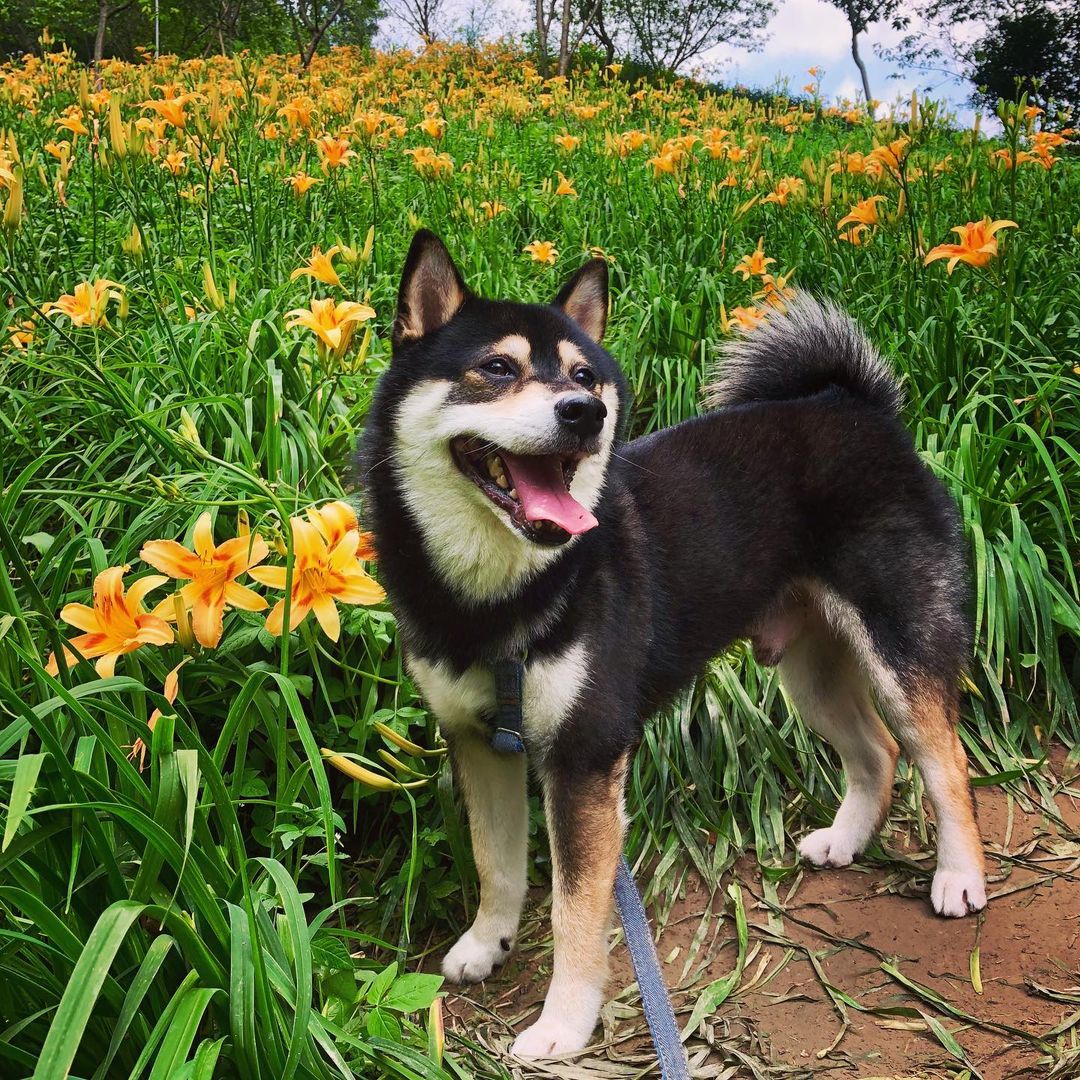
(463, 702)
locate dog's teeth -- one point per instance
(513, 493)
(502, 481)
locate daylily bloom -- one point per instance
(116, 624)
(171, 110)
(301, 183)
(567, 142)
(331, 322)
(433, 126)
(492, 208)
(321, 577)
(785, 188)
(754, 263)
(320, 266)
(977, 246)
(86, 306)
(21, 334)
(742, 318)
(542, 251)
(862, 213)
(892, 155)
(333, 152)
(211, 572)
(565, 187)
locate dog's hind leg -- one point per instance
(586, 823)
(926, 725)
(831, 690)
(495, 799)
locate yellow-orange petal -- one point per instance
(239, 596)
(360, 589)
(274, 576)
(152, 631)
(109, 587)
(171, 558)
(138, 590)
(237, 555)
(203, 536)
(106, 665)
(327, 613)
(206, 619)
(344, 553)
(276, 619)
(308, 545)
(81, 617)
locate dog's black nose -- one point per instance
(582, 414)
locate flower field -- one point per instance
(199, 278)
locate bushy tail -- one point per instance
(797, 352)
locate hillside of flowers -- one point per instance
(228, 831)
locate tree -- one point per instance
(574, 21)
(1034, 51)
(666, 34)
(861, 14)
(992, 43)
(422, 17)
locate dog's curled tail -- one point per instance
(807, 347)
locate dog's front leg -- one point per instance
(495, 799)
(586, 825)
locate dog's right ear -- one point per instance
(431, 290)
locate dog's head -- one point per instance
(504, 413)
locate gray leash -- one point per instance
(655, 1002)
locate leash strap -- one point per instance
(506, 738)
(655, 1002)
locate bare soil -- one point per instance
(846, 971)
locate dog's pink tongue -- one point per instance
(543, 495)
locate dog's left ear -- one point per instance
(431, 291)
(585, 298)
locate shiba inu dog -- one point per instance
(512, 519)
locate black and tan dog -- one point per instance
(510, 518)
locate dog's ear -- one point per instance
(585, 298)
(431, 290)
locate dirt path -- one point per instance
(848, 971)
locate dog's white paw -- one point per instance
(955, 893)
(829, 847)
(550, 1037)
(474, 958)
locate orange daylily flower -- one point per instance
(565, 187)
(754, 263)
(331, 322)
(433, 126)
(86, 305)
(322, 577)
(301, 183)
(862, 213)
(171, 110)
(116, 624)
(978, 244)
(211, 572)
(320, 266)
(566, 142)
(785, 189)
(742, 319)
(542, 251)
(333, 152)
(492, 208)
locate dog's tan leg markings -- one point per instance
(587, 823)
(495, 799)
(928, 733)
(832, 693)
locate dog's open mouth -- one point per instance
(533, 489)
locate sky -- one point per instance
(802, 34)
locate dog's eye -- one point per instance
(585, 377)
(498, 367)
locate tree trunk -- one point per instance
(541, 38)
(862, 69)
(102, 23)
(317, 32)
(564, 39)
